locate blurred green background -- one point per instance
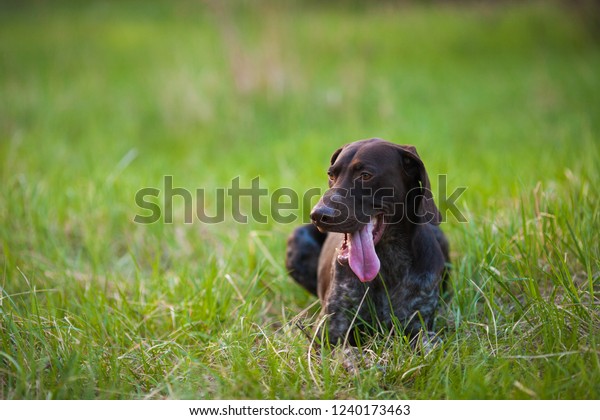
(100, 99)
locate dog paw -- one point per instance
(354, 360)
(425, 342)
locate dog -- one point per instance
(374, 253)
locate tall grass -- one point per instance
(100, 100)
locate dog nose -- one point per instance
(322, 214)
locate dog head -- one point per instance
(373, 184)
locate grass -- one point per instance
(100, 100)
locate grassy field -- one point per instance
(99, 100)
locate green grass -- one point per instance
(99, 100)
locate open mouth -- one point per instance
(358, 249)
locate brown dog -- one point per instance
(374, 254)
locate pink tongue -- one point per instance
(363, 259)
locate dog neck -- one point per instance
(394, 248)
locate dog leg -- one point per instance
(302, 256)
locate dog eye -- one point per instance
(331, 176)
(365, 176)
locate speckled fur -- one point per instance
(399, 291)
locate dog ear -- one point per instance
(336, 154)
(419, 199)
